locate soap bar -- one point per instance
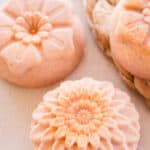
(121, 30)
(42, 41)
(130, 42)
(99, 13)
(85, 115)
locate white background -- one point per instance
(17, 104)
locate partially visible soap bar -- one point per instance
(122, 32)
(85, 115)
(130, 42)
(99, 13)
(41, 41)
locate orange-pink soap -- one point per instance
(41, 41)
(85, 115)
(130, 38)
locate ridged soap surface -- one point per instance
(130, 40)
(42, 41)
(85, 115)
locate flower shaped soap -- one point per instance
(99, 13)
(85, 115)
(130, 41)
(42, 41)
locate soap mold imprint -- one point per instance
(42, 41)
(99, 14)
(85, 114)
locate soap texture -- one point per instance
(42, 41)
(121, 29)
(85, 115)
(130, 43)
(99, 14)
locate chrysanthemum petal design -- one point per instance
(85, 114)
(49, 34)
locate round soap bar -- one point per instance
(85, 115)
(124, 28)
(99, 13)
(130, 42)
(41, 41)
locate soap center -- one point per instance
(83, 116)
(32, 27)
(86, 111)
(33, 30)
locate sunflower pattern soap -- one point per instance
(85, 115)
(42, 41)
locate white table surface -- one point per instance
(17, 104)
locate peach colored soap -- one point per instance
(41, 41)
(85, 115)
(99, 14)
(130, 42)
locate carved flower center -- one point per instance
(146, 13)
(86, 114)
(33, 27)
(33, 30)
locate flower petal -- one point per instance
(82, 142)
(50, 96)
(58, 11)
(59, 42)
(15, 7)
(44, 146)
(6, 21)
(107, 90)
(47, 135)
(42, 116)
(117, 135)
(61, 132)
(123, 146)
(51, 49)
(71, 139)
(120, 118)
(64, 35)
(36, 133)
(94, 139)
(131, 25)
(119, 95)
(5, 37)
(20, 57)
(58, 145)
(106, 144)
(131, 133)
(128, 111)
(57, 122)
(104, 133)
(34, 5)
